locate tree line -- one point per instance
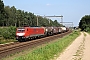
(84, 23)
(10, 16)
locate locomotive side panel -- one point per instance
(33, 31)
(28, 32)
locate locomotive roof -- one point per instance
(27, 27)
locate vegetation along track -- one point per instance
(17, 47)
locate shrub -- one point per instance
(8, 33)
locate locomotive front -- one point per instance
(20, 34)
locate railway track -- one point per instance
(13, 48)
(8, 44)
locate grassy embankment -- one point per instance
(51, 50)
(89, 32)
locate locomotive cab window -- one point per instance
(21, 30)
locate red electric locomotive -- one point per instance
(24, 33)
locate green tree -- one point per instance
(2, 13)
(56, 23)
(14, 17)
(84, 23)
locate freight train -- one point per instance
(27, 33)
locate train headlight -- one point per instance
(20, 34)
(46, 29)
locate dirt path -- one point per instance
(86, 55)
(78, 50)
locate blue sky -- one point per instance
(71, 10)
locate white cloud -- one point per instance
(48, 4)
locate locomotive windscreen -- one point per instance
(21, 30)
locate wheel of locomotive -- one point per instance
(20, 40)
(37, 37)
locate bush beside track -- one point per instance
(7, 34)
(51, 50)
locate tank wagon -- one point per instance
(25, 33)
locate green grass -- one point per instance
(3, 41)
(89, 32)
(51, 50)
